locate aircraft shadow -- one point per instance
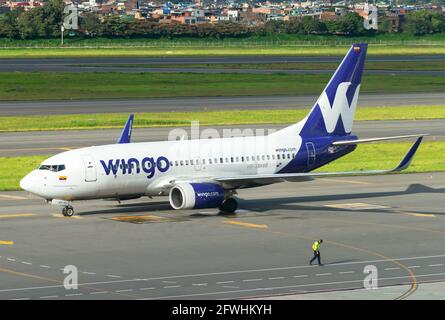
(264, 205)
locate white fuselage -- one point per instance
(107, 172)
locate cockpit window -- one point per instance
(53, 168)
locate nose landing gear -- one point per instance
(68, 211)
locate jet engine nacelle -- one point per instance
(196, 195)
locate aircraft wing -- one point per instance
(357, 141)
(241, 179)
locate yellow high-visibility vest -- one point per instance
(316, 246)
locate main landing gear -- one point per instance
(68, 211)
(229, 206)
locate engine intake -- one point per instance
(196, 195)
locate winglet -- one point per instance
(409, 156)
(125, 136)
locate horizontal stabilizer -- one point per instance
(125, 136)
(357, 141)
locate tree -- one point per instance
(90, 25)
(8, 24)
(424, 22)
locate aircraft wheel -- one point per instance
(229, 206)
(68, 211)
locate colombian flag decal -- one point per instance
(62, 178)
(357, 49)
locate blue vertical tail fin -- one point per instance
(333, 113)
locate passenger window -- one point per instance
(231, 159)
(191, 162)
(186, 162)
(288, 155)
(220, 160)
(176, 163)
(278, 157)
(210, 161)
(268, 157)
(263, 158)
(182, 163)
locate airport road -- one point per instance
(51, 142)
(142, 249)
(88, 64)
(204, 103)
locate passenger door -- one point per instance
(90, 168)
(310, 153)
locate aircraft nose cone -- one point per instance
(27, 183)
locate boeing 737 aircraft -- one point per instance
(206, 173)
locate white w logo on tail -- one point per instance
(339, 107)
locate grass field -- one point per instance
(279, 39)
(51, 86)
(171, 119)
(369, 156)
(212, 50)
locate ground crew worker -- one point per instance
(316, 249)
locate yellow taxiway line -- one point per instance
(6, 242)
(246, 224)
(19, 215)
(7, 196)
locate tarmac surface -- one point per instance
(205, 103)
(113, 64)
(52, 142)
(142, 249)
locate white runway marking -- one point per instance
(301, 276)
(275, 278)
(73, 294)
(44, 266)
(143, 289)
(395, 268)
(99, 292)
(250, 280)
(284, 287)
(346, 272)
(224, 273)
(324, 274)
(436, 265)
(124, 290)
